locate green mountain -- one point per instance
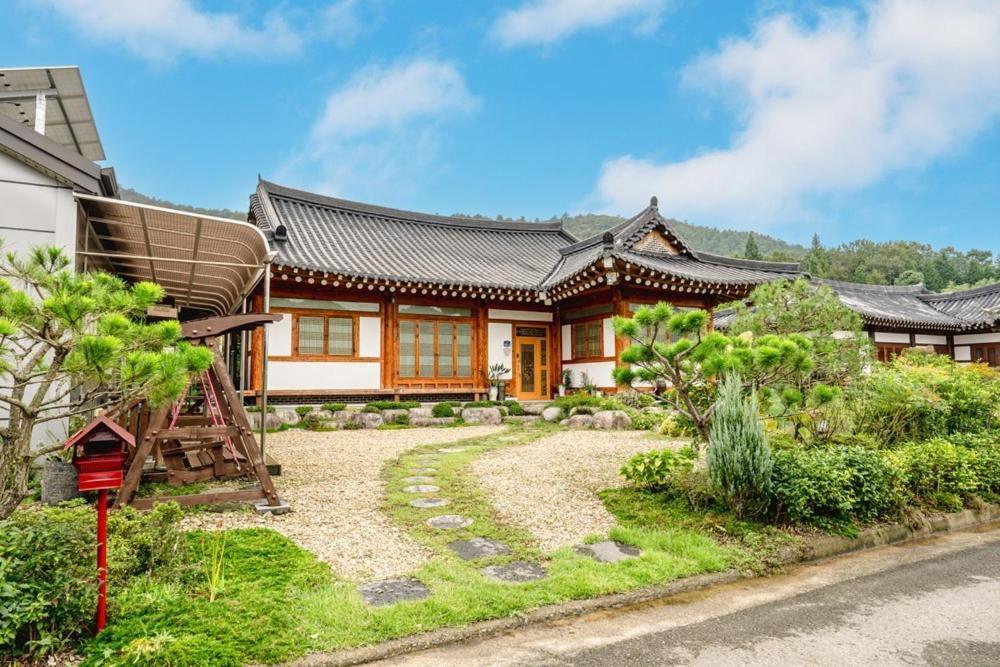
(886, 263)
(128, 194)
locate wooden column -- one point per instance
(481, 356)
(257, 347)
(555, 362)
(390, 339)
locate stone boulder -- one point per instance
(612, 419)
(551, 414)
(317, 418)
(287, 415)
(273, 421)
(580, 421)
(420, 413)
(395, 415)
(482, 416)
(431, 421)
(365, 420)
(522, 419)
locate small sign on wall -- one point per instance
(506, 348)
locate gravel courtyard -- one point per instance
(332, 481)
(550, 486)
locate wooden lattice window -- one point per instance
(435, 349)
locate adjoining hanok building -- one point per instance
(384, 302)
(964, 325)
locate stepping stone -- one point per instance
(423, 471)
(449, 522)
(391, 591)
(478, 547)
(517, 572)
(608, 551)
(451, 450)
(429, 503)
(419, 479)
(421, 488)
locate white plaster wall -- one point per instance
(927, 339)
(978, 338)
(609, 338)
(524, 315)
(34, 209)
(963, 353)
(599, 371)
(369, 337)
(886, 337)
(496, 334)
(324, 375)
(567, 342)
(279, 337)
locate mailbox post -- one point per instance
(100, 450)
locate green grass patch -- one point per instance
(278, 602)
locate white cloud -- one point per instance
(828, 109)
(164, 29)
(379, 133)
(542, 22)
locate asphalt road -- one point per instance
(930, 603)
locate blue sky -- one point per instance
(856, 120)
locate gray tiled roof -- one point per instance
(893, 305)
(977, 307)
(336, 235)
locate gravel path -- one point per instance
(550, 486)
(332, 481)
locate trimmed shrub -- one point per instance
(739, 457)
(811, 486)
(482, 404)
(443, 410)
(48, 581)
(391, 405)
(334, 407)
(514, 408)
(938, 472)
(660, 469)
(399, 420)
(48, 584)
(303, 410)
(646, 421)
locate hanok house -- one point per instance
(964, 325)
(383, 302)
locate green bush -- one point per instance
(635, 399)
(920, 396)
(399, 420)
(443, 410)
(647, 421)
(739, 457)
(660, 469)
(48, 580)
(482, 404)
(303, 410)
(254, 408)
(141, 542)
(514, 408)
(334, 407)
(391, 405)
(938, 472)
(811, 486)
(838, 484)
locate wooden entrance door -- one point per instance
(531, 363)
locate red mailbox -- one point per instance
(100, 450)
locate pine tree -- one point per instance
(739, 456)
(817, 261)
(752, 251)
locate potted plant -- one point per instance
(588, 384)
(497, 381)
(567, 381)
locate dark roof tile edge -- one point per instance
(276, 190)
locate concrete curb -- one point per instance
(815, 549)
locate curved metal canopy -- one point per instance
(205, 263)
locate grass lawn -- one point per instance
(278, 602)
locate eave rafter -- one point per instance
(398, 286)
